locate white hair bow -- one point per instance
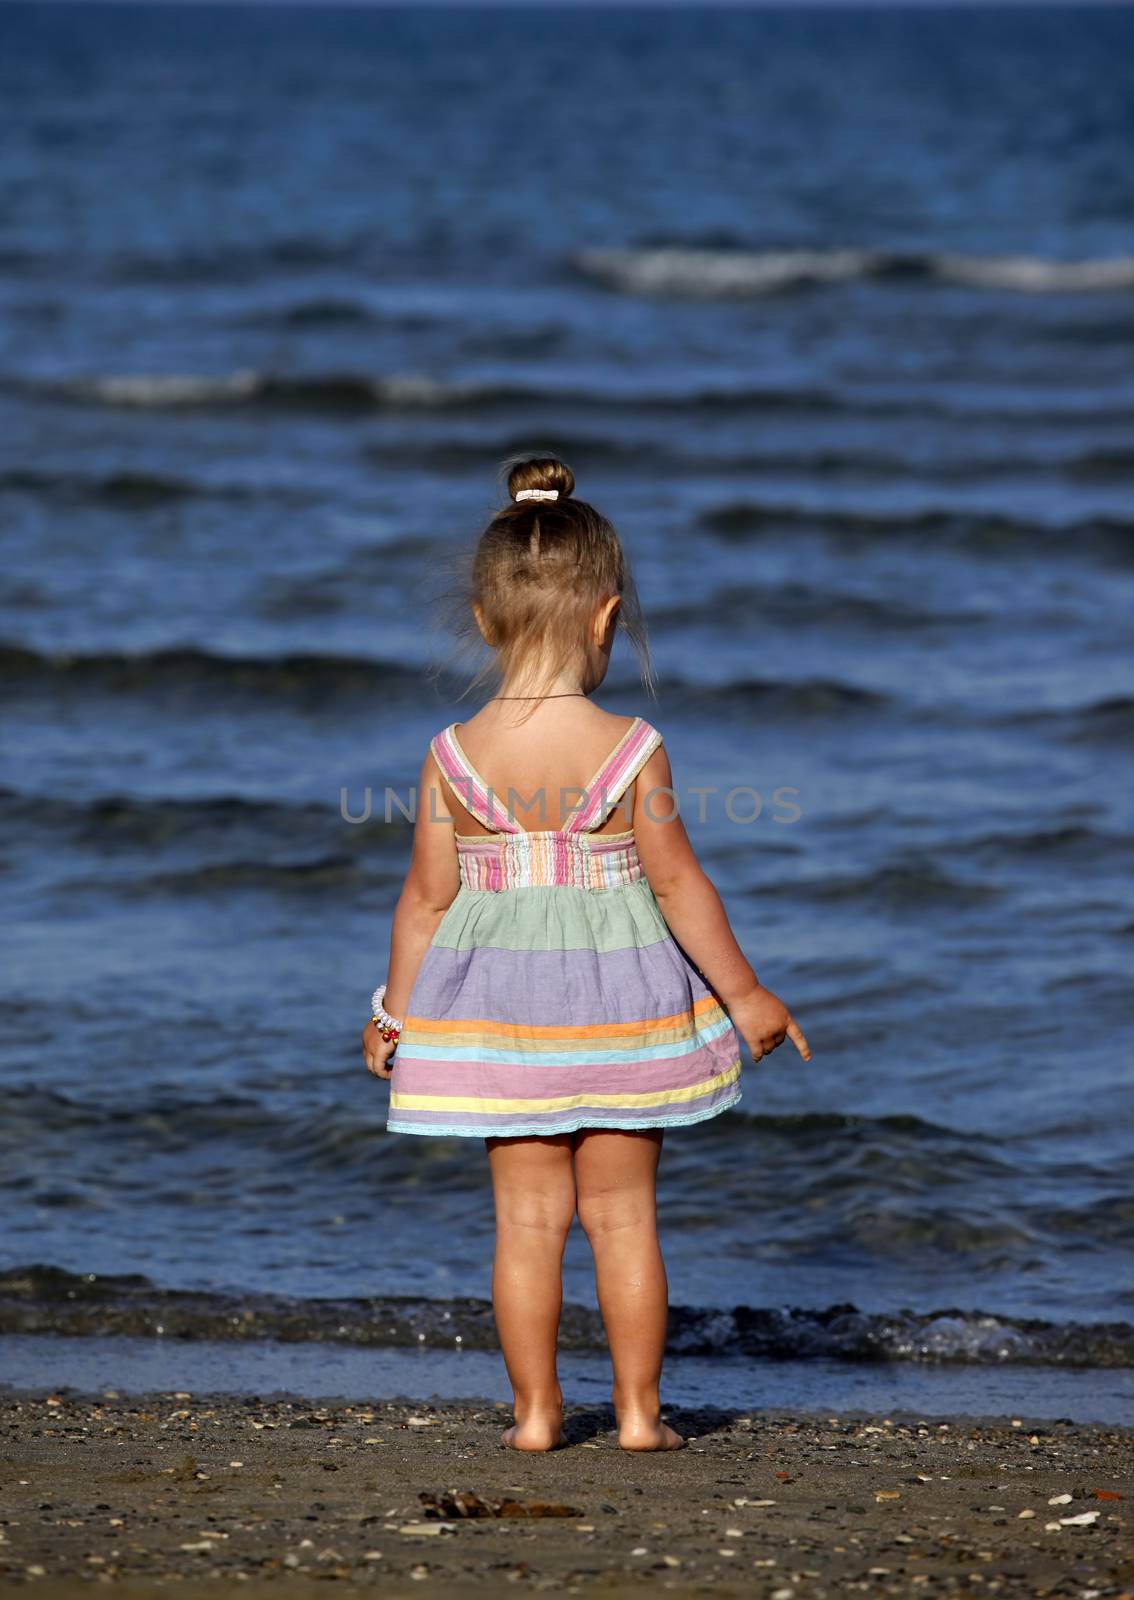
(537, 494)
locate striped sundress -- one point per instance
(552, 995)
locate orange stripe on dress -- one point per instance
(592, 1030)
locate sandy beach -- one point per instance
(185, 1491)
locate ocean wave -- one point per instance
(1101, 463)
(801, 604)
(139, 488)
(1072, 842)
(39, 1298)
(130, 822)
(356, 392)
(729, 274)
(303, 677)
(328, 311)
(317, 391)
(315, 677)
(807, 697)
(1108, 720)
(360, 393)
(645, 455)
(229, 261)
(824, 1176)
(974, 529)
(897, 885)
(291, 878)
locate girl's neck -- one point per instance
(563, 685)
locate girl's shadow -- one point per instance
(587, 1422)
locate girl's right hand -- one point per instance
(376, 1051)
(765, 1022)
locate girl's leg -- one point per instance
(615, 1174)
(533, 1187)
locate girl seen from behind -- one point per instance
(563, 982)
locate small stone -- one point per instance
(1024, 1514)
(373, 1555)
(1060, 1500)
(734, 1533)
(672, 1561)
(1052, 1527)
(639, 1550)
(887, 1494)
(1083, 1520)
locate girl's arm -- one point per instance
(427, 893)
(696, 917)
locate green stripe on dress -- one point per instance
(553, 917)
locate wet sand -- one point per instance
(199, 1494)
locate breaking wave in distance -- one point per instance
(723, 274)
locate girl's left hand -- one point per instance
(376, 1051)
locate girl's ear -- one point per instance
(480, 622)
(604, 616)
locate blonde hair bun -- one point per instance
(540, 476)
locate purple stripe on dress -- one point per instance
(497, 1080)
(553, 987)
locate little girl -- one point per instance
(563, 980)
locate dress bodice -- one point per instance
(574, 856)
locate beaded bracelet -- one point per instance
(388, 1026)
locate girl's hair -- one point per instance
(538, 573)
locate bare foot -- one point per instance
(641, 1434)
(535, 1433)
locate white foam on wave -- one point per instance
(720, 274)
(161, 390)
(166, 389)
(717, 273)
(1033, 276)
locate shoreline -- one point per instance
(158, 1489)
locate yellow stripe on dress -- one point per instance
(571, 1102)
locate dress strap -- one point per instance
(467, 783)
(615, 776)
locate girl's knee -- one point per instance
(612, 1211)
(540, 1213)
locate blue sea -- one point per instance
(832, 313)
